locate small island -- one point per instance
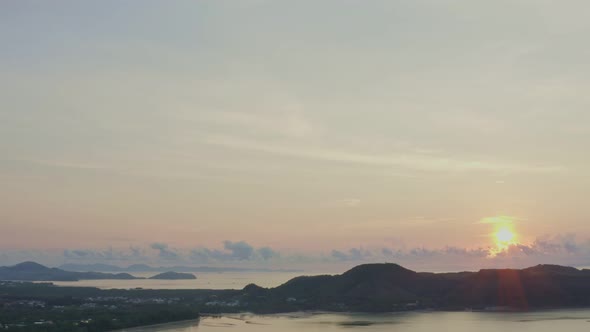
(174, 276)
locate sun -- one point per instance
(504, 236)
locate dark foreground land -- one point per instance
(370, 288)
(26, 306)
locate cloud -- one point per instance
(409, 160)
(79, 253)
(339, 255)
(110, 254)
(560, 249)
(498, 220)
(164, 252)
(207, 255)
(353, 254)
(267, 253)
(386, 252)
(350, 202)
(239, 250)
(136, 252)
(561, 246)
(90, 254)
(288, 122)
(563, 250)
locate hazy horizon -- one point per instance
(440, 135)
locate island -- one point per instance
(174, 276)
(31, 271)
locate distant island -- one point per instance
(31, 271)
(174, 276)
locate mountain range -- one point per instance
(31, 271)
(391, 287)
(375, 288)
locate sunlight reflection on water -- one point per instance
(565, 320)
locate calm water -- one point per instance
(225, 280)
(547, 321)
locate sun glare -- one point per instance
(504, 236)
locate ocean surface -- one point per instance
(205, 280)
(225, 280)
(543, 321)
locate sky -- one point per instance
(277, 133)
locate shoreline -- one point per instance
(298, 315)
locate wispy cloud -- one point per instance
(499, 220)
(350, 202)
(66, 164)
(288, 123)
(139, 169)
(409, 160)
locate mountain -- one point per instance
(29, 267)
(174, 276)
(31, 271)
(390, 287)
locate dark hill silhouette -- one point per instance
(31, 271)
(174, 276)
(539, 286)
(387, 287)
(29, 266)
(557, 269)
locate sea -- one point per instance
(205, 280)
(539, 321)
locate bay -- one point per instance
(540, 321)
(216, 280)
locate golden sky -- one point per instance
(301, 126)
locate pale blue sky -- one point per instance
(301, 125)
